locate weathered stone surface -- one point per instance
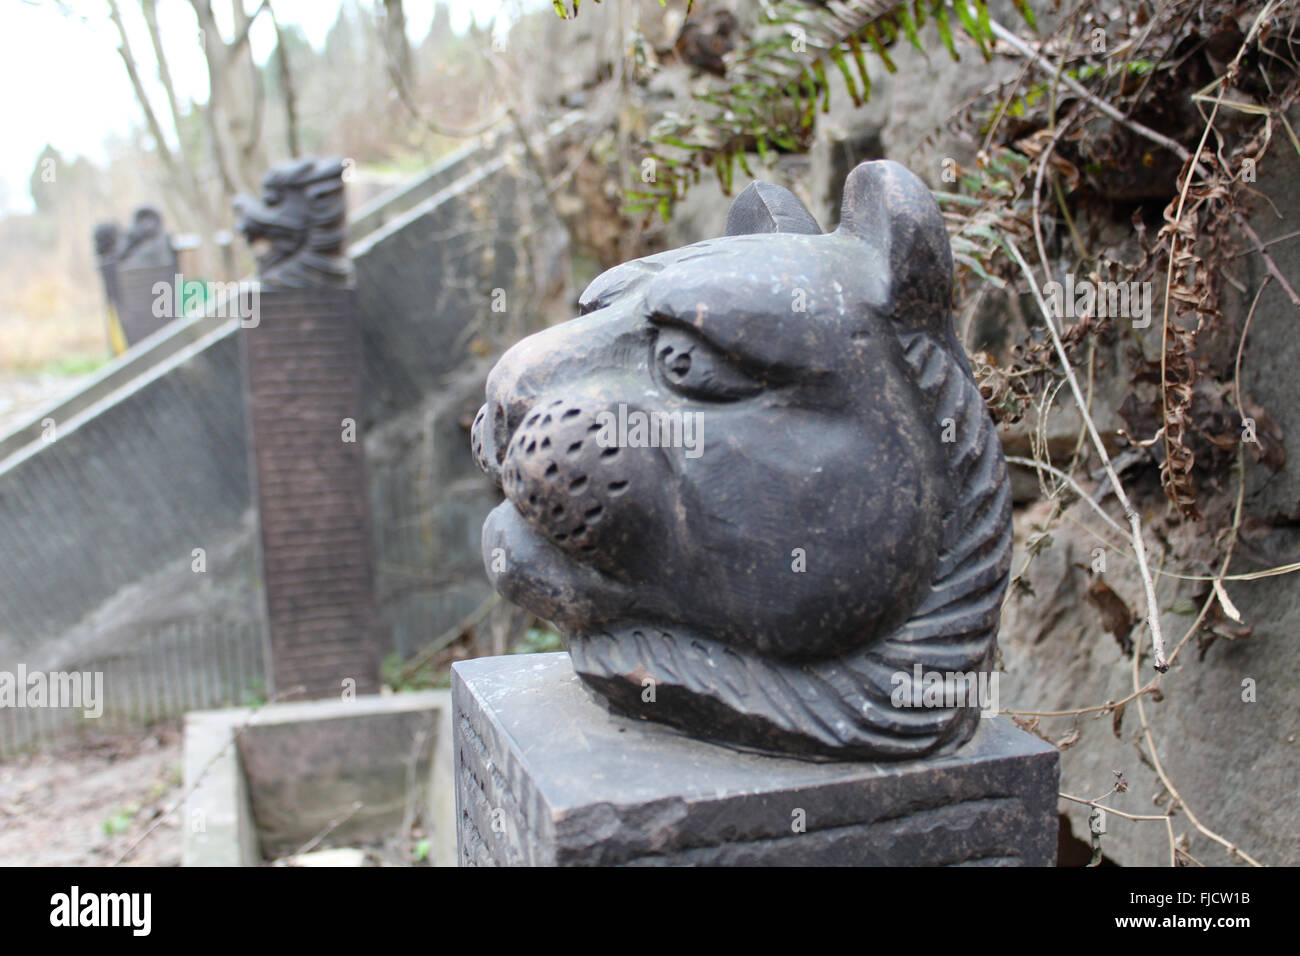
(308, 770)
(820, 506)
(546, 776)
(1269, 363)
(1233, 760)
(216, 796)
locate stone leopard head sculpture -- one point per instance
(815, 504)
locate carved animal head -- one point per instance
(145, 244)
(298, 228)
(146, 223)
(108, 240)
(815, 500)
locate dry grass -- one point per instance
(52, 314)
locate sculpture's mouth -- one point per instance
(272, 237)
(529, 570)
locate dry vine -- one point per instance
(1191, 249)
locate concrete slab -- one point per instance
(268, 781)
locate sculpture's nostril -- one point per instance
(500, 431)
(487, 455)
(549, 475)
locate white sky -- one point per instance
(62, 81)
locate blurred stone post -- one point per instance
(302, 372)
(145, 260)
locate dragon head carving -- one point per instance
(300, 225)
(754, 483)
(145, 243)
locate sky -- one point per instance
(63, 82)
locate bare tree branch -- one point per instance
(133, 72)
(287, 87)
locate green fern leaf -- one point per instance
(837, 56)
(1027, 12)
(909, 27)
(971, 26)
(945, 29)
(874, 39)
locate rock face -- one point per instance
(1227, 723)
(1225, 726)
(815, 510)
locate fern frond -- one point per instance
(563, 12)
(779, 82)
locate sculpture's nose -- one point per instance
(554, 358)
(512, 388)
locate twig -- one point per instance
(1175, 796)
(1269, 264)
(1118, 813)
(180, 801)
(1105, 708)
(1035, 463)
(448, 636)
(1169, 827)
(412, 759)
(1135, 522)
(1019, 45)
(328, 829)
(408, 101)
(1038, 186)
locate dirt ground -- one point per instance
(86, 805)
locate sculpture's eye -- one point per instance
(270, 196)
(688, 365)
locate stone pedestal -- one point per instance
(546, 776)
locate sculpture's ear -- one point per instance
(890, 209)
(765, 207)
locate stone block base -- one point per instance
(546, 776)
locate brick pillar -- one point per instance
(302, 375)
(303, 381)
